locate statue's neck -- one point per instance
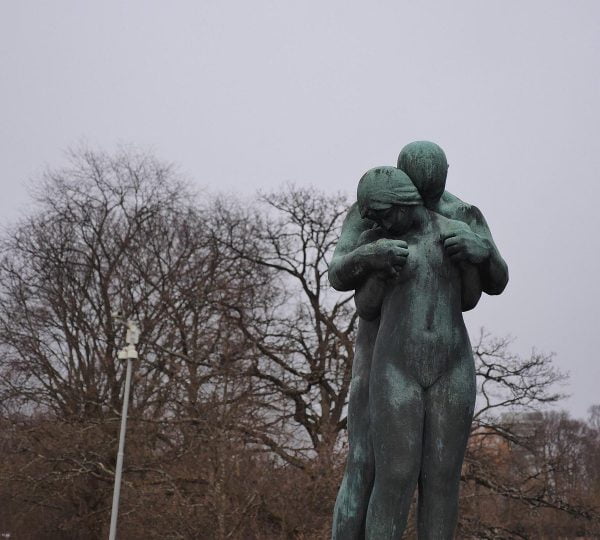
(418, 222)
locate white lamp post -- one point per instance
(128, 353)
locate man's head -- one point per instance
(426, 165)
(387, 196)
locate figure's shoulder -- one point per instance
(353, 211)
(444, 223)
(354, 222)
(450, 204)
(354, 225)
(451, 207)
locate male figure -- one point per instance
(426, 165)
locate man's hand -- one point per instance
(386, 255)
(463, 244)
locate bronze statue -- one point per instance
(417, 257)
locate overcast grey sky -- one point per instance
(245, 95)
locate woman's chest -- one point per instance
(426, 260)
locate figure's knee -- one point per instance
(360, 469)
(360, 451)
(397, 475)
(440, 480)
(360, 455)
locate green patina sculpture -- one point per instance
(417, 257)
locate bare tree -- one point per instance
(116, 232)
(594, 417)
(515, 452)
(303, 336)
(239, 398)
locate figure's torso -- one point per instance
(421, 325)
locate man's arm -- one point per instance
(470, 275)
(352, 263)
(470, 285)
(369, 296)
(493, 269)
(475, 246)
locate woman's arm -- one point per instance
(369, 296)
(352, 262)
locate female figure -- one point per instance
(422, 379)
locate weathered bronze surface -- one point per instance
(417, 257)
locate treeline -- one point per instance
(238, 413)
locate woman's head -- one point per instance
(386, 195)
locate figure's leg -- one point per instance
(449, 407)
(353, 496)
(396, 409)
